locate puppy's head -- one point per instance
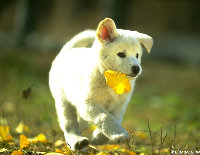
(121, 50)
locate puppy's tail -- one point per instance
(83, 39)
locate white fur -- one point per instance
(79, 88)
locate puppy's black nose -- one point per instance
(135, 70)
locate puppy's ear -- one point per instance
(145, 40)
(106, 31)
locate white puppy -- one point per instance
(79, 87)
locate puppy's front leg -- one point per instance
(104, 121)
(98, 137)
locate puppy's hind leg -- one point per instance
(68, 122)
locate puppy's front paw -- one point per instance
(81, 143)
(98, 138)
(120, 138)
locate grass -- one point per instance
(167, 94)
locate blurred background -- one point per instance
(33, 31)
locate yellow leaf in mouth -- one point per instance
(118, 81)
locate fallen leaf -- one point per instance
(102, 153)
(11, 143)
(114, 147)
(128, 152)
(131, 153)
(4, 134)
(59, 151)
(66, 149)
(118, 81)
(109, 147)
(3, 150)
(8, 138)
(165, 150)
(39, 138)
(21, 128)
(53, 153)
(23, 141)
(17, 153)
(59, 143)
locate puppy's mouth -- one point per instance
(132, 76)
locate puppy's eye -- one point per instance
(137, 55)
(121, 54)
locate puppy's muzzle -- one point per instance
(135, 70)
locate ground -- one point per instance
(166, 96)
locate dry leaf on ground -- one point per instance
(17, 153)
(4, 134)
(24, 142)
(21, 128)
(39, 138)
